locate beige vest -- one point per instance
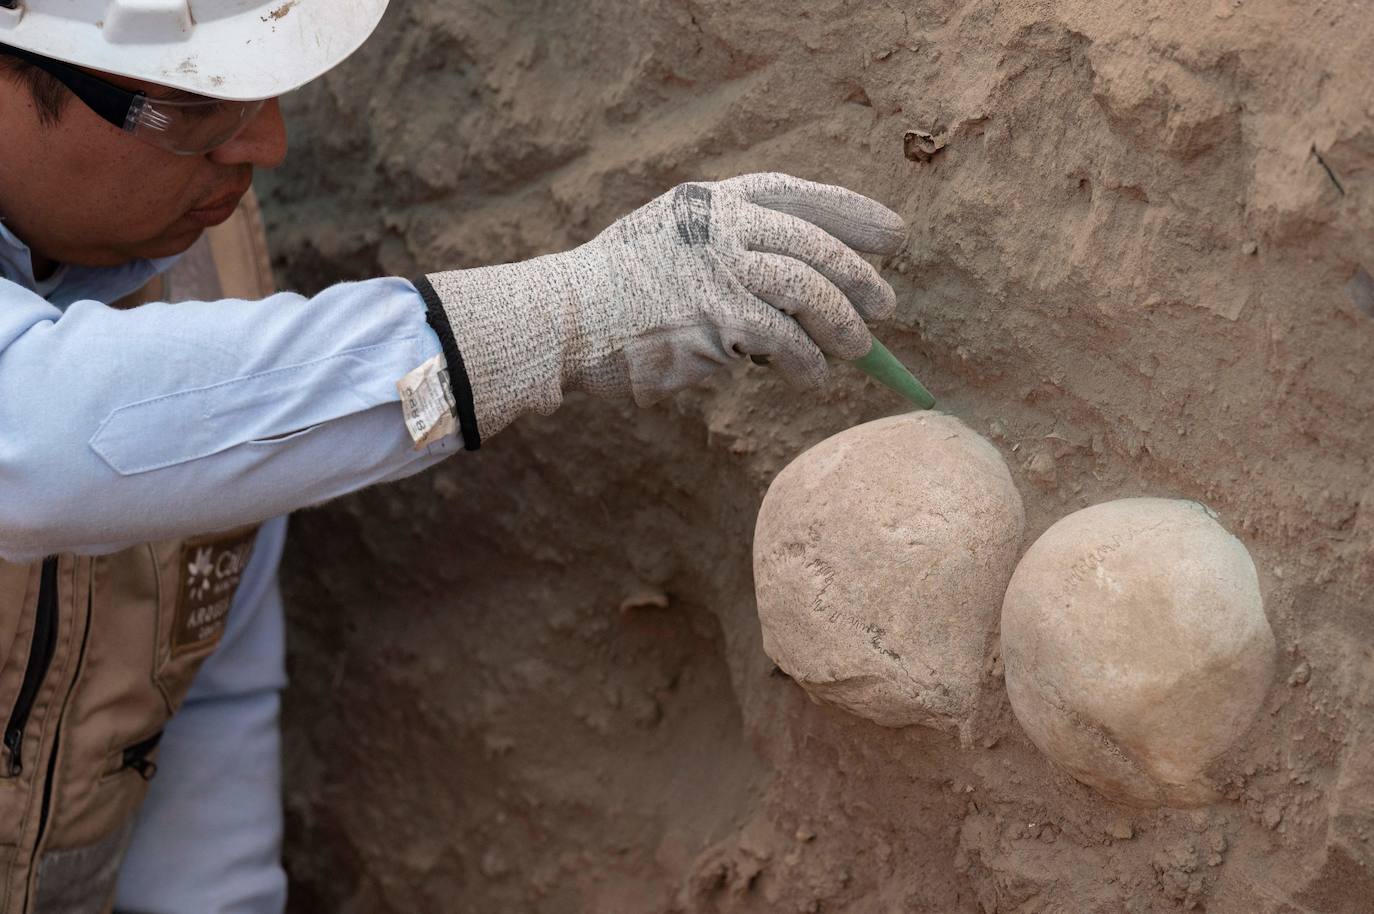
(96, 654)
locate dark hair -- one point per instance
(49, 96)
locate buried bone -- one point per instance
(1136, 647)
(880, 559)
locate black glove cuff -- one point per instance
(457, 371)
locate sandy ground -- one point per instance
(1139, 264)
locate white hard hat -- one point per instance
(240, 50)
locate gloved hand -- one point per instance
(709, 273)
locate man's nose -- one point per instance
(262, 143)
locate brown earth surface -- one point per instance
(1139, 263)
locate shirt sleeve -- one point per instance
(209, 835)
(120, 427)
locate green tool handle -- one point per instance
(883, 367)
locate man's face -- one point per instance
(81, 191)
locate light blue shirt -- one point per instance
(120, 427)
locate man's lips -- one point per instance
(217, 210)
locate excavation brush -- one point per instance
(882, 366)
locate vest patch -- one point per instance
(211, 569)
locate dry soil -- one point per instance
(1142, 239)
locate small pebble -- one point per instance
(493, 865)
(649, 598)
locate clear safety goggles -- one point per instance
(192, 126)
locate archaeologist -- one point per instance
(149, 450)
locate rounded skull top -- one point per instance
(1136, 647)
(880, 559)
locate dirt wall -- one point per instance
(1139, 263)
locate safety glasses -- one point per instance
(185, 127)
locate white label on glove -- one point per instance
(428, 402)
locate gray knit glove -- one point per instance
(707, 274)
